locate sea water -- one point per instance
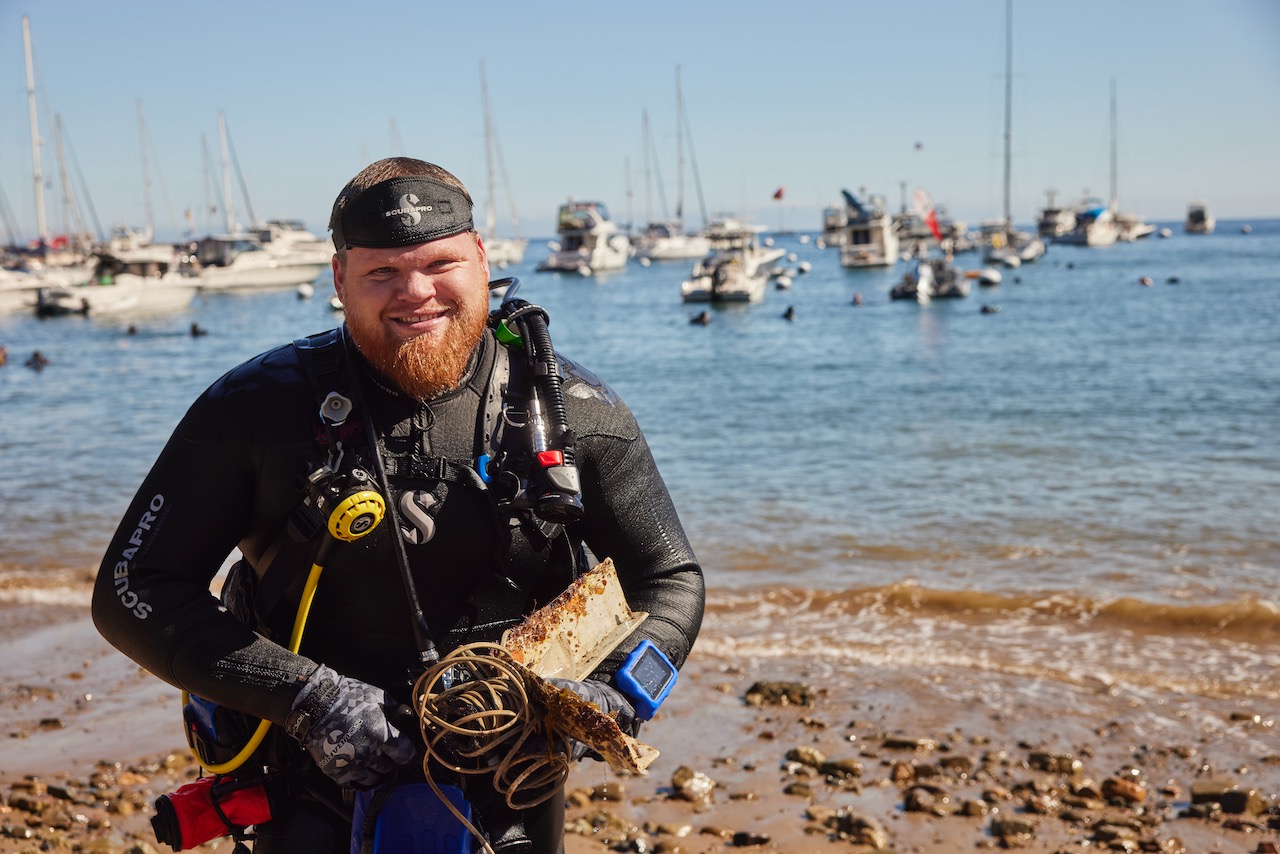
(1084, 484)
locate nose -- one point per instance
(418, 285)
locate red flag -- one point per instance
(931, 220)
(924, 207)
(777, 195)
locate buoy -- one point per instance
(644, 261)
(782, 283)
(1145, 281)
(305, 290)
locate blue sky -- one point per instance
(811, 96)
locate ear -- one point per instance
(484, 258)
(339, 276)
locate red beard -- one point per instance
(423, 367)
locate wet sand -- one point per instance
(908, 759)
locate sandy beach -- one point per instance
(910, 759)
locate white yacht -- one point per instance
(737, 269)
(234, 262)
(665, 241)
(138, 282)
(1095, 225)
(867, 237)
(589, 241)
(1131, 227)
(1199, 219)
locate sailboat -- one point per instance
(501, 251)
(1099, 225)
(1129, 226)
(274, 255)
(1002, 243)
(665, 240)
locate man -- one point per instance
(456, 560)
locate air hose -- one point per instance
(561, 500)
(353, 515)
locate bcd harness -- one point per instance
(521, 463)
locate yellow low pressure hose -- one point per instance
(295, 643)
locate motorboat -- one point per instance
(916, 236)
(1054, 221)
(1095, 226)
(931, 278)
(1131, 227)
(666, 241)
(589, 241)
(119, 286)
(290, 242)
(235, 262)
(867, 238)
(738, 267)
(1199, 219)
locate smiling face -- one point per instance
(416, 312)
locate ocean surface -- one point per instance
(1083, 486)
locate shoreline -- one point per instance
(910, 758)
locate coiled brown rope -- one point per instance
(476, 718)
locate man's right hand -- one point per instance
(344, 724)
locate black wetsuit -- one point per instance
(231, 476)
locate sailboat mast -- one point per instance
(227, 205)
(679, 153)
(146, 174)
(1008, 113)
(42, 227)
(648, 174)
(1113, 144)
(490, 217)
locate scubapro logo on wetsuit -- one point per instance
(410, 212)
(120, 576)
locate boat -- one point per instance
(499, 251)
(1199, 219)
(930, 278)
(738, 267)
(1054, 221)
(914, 232)
(1008, 246)
(1131, 227)
(867, 238)
(589, 241)
(241, 262)
(291, 243)
(1102, 224)
(1095, 225)
(118, 287)
(666, 239)
(1001, 242)
(279, 253)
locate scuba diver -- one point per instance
(419, 479)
